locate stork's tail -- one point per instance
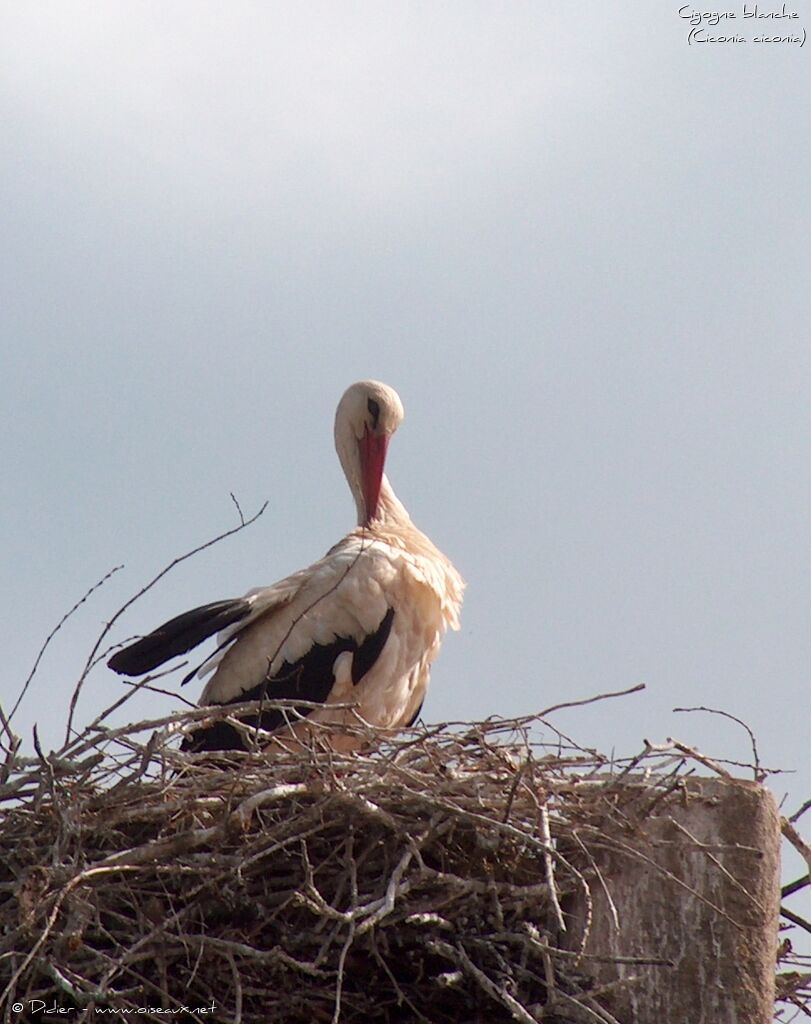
(177, 636)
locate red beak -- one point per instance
(372, 460)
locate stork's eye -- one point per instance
(374, 412)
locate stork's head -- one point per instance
(367, 416)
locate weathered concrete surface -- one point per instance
(722, 943)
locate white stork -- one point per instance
(360, 626)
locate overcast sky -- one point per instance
(576, 245)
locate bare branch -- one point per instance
(53, 633)
(741, 723)
(91, 659)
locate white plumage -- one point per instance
(362, 625)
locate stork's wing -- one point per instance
(310, 678)
(315, 647)
(184, 632)
(177, 636)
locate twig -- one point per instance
(800, 812)
(546, 836)
(725, 714)
(589, 700)
(237, 982)
(142, 685)
(673, 744)
(127, 604)
(457, 955)
(797, 841)
(795, 886)
(801, 922)
(53, 633)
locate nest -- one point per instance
(422, 881)
(447, 874)
(428, 879)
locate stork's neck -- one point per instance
(390, 510)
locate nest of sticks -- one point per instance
(430, 878)
(415, 882)
(426, 879)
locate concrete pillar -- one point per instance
(721, 937)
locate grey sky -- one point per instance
(576, 246)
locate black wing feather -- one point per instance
(310, 678)
(177, 636)
(415, 716)
(369, 651)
